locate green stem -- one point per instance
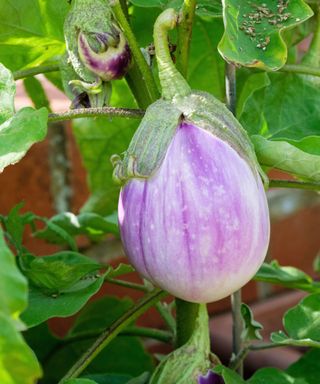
(151, 333)
(126, 284)
(54, 67)
(166, 316)
(172, 82)
(109, 334)
(187, 314)
(312, 186)
(184, 35)
(96, 112)
(301, 69)
(145, 71)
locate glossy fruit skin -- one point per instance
(199, 226)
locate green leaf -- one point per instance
(316, 264)
(284, 156)
(42, 307)
(7, 93)
(88, 223)
(142, 379)
(253, 31)
(31, 32)
(302, 324)
(125, 355)
(307, 367)
(17, 361)
(98, 140)
(19, 133)
(60, 272)
(15, 225)
(229, 376)
(207, 8)
(274, 376)
(80, 381)
(251, 330)
(121, 269)
(109, 378)
(36, 92)
(287, 276)
(303, 320)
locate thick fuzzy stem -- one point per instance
(172, 82)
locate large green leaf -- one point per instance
(287, 276)
(18, 364)
(31, 31)
(307, 367)
(253, 31)
(282, 118)
(43, 306)
(7, 93)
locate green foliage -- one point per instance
(251, 330)
(283, 121)
(289, 277)
(253, 31)
(301, 324)
(17, 361)
(307, 367)
(36, 92)
(31, 32)
(93, 319)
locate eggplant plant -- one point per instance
(183, 113)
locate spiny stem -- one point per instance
(184, 35)
(151, 333)
(126, 284)
(144, 69)
(109, 334)
(312, 186)
(96, 112)
(54, 67)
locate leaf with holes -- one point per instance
(253, 31)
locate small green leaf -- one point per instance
(229, 376)
(109, 378)
(121, 269)
(15, 225)
(80, 381)
(252, 328)
(142, 379)
(253, 31)
(290, 277)
(36, 92)
(316, 264)
(7, 93)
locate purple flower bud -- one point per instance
(108, 55)
(198, 227)
(210, 378)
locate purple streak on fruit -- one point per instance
(110, 64)
(198, 227)
(210, 378)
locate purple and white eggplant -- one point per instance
(193, 213)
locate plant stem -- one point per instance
(126, 284)
(302, 69)
(145, 71)
(312, 186)
(54, 67)
(151, 333)
(186, 320)
(109, 334)
(231, 99)
(166, 316)
(184, 35)
(96, 112)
